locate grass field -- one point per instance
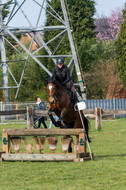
(107, 171)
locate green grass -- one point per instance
(107, 171)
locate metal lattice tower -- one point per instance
(35, 30)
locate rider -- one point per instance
(62, 74)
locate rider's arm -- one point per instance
(68, 78)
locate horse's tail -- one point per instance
(86, 125)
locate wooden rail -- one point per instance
(112, 112)
(45, 112)
(104, 111)
(13, 112)
(35, 112)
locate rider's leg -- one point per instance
(43, 122)
(39, 124)
(74, 95)
(70, 86)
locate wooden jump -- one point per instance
(8, 134)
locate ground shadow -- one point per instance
(109, 156)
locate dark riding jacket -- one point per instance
(61, 74)
(41, 119)
(41, 106)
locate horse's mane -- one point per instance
(54, 81)
(50, 80)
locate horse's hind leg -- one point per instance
(70, 148)
(78, 124)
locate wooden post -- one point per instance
(82, 148)
(30, 117)
(98, 120)
(6, 143)
(82, 145)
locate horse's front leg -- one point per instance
(63, 113)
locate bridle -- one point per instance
(55, 94)
(54, 99)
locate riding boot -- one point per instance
(45, 126)
(39, 124)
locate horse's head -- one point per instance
(56, 94)
(51, 89)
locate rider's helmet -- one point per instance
(60, 61)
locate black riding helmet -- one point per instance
(60, 61)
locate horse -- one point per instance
(61, 103)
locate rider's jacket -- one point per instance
(41, 106)
(61, 74)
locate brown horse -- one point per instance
(60, 103)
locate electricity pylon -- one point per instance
(36, 30)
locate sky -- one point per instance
(32, 9)
(106, 6)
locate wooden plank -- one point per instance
(111, 112)
(42, 113)
(38, 157)
(12, 112)
(89, 111)
(40, 132)
(104, 111)
(45, 157)
(36, 112)
(30, 117)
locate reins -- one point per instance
(57, 95)
(60, 94)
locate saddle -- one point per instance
(72, 96)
